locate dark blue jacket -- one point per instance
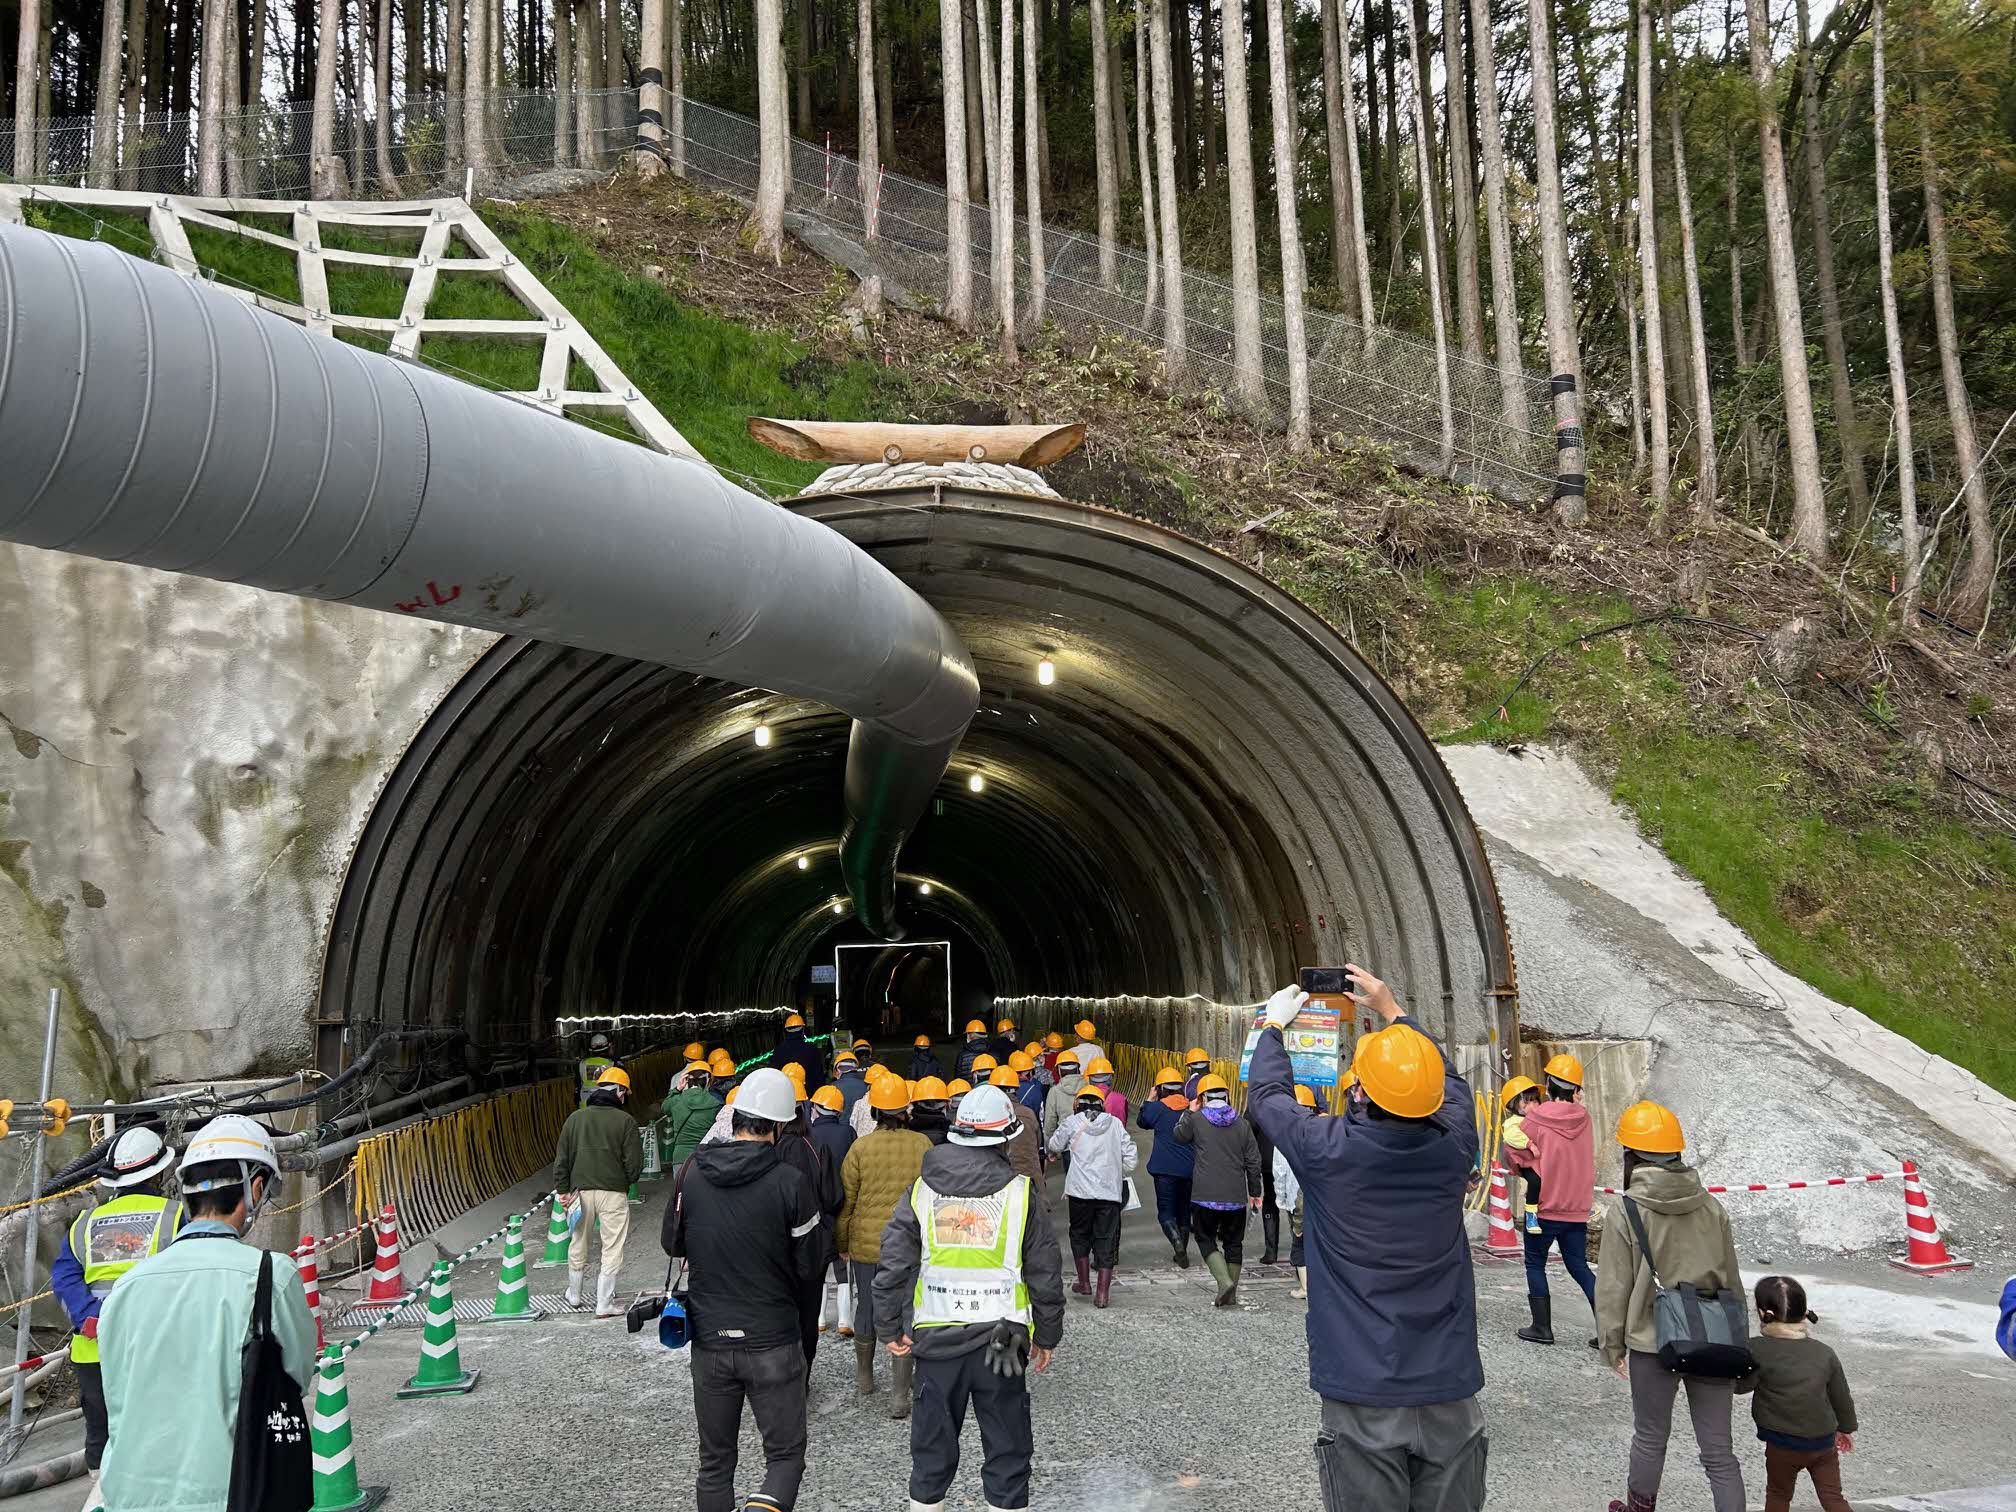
(1392, 1306)
(795, 1047)
(1033, 1096)
(924, 1063)
(1004, 1046)
(831, 1137)
(853, 1087)
(969, 1051)
(2005, 1332)
(1167, 1158)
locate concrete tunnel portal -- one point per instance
(1214, 790)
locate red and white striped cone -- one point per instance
(1925, 1247)
(1501, 1241)
(387, 1285)
(311, 1283)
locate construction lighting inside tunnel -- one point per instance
(1220, 792)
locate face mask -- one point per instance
(1199, 1070)
(1102, 1081)
(1216, 1100)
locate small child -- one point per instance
(1801, 1404)
(1515, 1098)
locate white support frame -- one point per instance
(946, 945)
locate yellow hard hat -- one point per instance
(1509, 1093)
(695, 1051)
(889, 1094)
(1004, 1026)
(984, 1063)
(1347, 1081)
(1196, 1055)
(1168, 1076)
(1651, 1130)
(910, 1087)
(1564, 1068)
(830, 1097)
(862, 1042)
(1090, 1091)
(793, 1021)
(1034, 1050)
(1100, 1067)
(1003, 1076)
(959, 1087)
(974, 1026)
(930, 1089)
(1212, 1083)
(1053, 1040)
(614, 1076)
(1084, 1029)
(719, 1057)
(1020, 1062)
(796, 1072)
(877, 1072)
(1401, 1071)
(1067, 1058)
(1305, 1095)
(698, 1065)
(729, 1100)
(922, 1042)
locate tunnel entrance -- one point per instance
(1180, 782)
(889, 992)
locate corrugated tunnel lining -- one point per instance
(1215, 791)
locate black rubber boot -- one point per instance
(1270, 1230)
(1542, 1331)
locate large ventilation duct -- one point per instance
(152, 419)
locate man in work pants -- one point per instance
(1392, 1306)
(601, 1153)
(747, 1225)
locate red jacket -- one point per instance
(1562, 1148)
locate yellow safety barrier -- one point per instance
(437, 1169)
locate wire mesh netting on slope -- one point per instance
(1365, 382)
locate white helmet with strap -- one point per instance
(985, 1118)
(137, 1155)
(599, 1043)
(230, 1139)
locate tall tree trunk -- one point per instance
(454, 108)
(475, 91)
(1833, 341)
(255, 67)
(1609, 213)
(651, 155)
(1431, 249)
(1103, 155)
(803, 58)
(210, 124)
(1145, 142)
(1294, 327)
(1433, 218)
(230, 132)
(412, 15)
(27, 69)
(1648, 274)
(765, 227)
(990, 119)
(1564, 358)
(381, 84)
(1184, 79)
(587, 68)
(1375, 155)
(1707, 483)
(1504, 288)
(105, 119)
(1123, 145)
(867, 124)
(563, 83)
(979, 110)
(885, 115)
(958, 209)
(614, 114)
(675, 50)
(1740, 335)
(1032, 169)
(1396, 177)
(353, 78)
(1809, 503)
(1004, 189)
(1175, 334)
(138, 15)
(1249, 382)
(1345, 192)
(1462, 186)
(1208, 93)
(1977, 577)
(1893, 340)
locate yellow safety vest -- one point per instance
(591, 1068)
(972, 1257)
(110, 1240)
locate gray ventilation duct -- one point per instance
(152, 419)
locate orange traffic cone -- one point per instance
(1925, 1247)
(311, 1283)
(387, 1285)
(1501, 1241)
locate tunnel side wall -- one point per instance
(184, 767)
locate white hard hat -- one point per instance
(230, 1139)
(768, 1094)
(137, 1155)
(985, 1118)
(599, 1042)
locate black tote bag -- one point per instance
(272, 1458)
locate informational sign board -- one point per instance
(825, 975)
(1315, 1041)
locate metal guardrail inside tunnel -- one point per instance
(1377, 383)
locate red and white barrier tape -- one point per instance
(1789, 1186)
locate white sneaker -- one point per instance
(605, 1297)
(575, 1281)
(917, 1506)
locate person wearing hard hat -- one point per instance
(1046, 1065)
(1004, 1041)
(1226, 1183)
(1392, 1318)
(832, 1136)
(971, 1288)
(601, 1152)
(131, 1222)
(1515, 1099)
(927, 1108)
(172, 1333)
(877, 1172)
(690, 1112)
(1100, 1075)
(1687, 1240)
(1556, 1140)
(794, 1049)
(923, 1059)
(747, 1225)
(955, 1089)
(1102, 1153)
(594, 1063)
(1196, 1066)
(850, 1076)
(694, 1051)
(1088, 1046)
(1030, 1089)
(1170, 1164)
(1024, 1147)
(974, 1047)
(1288, 1192)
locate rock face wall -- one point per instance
(184, 766)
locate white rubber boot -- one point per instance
(575, 1281)
(917, 1506)
(1301, 1283)
(605, 1297)
(829, 1306)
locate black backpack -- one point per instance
(1699, 1333)
(272, 1458)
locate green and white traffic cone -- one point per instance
(557, 1237)
(441, 1372)
(635, 1195)
(652, 1168)
(514, 1291)
(336, 1488)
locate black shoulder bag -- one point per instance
(272, 1464)
(1698, 1333)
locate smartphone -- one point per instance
(1325, 981)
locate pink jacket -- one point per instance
(1116, 1104)
(1562, 1148)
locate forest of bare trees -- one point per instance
(1761, 255)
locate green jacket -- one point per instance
(601, 1150)
(689, 1114)
(1691, 1241)
(169, 1338)
(1801, 1389)
(875, 1176)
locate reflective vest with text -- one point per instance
(110, 1240)
(971, 1270)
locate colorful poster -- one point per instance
(1315, 1042)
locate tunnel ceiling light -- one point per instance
(924, 889)
(804, 862)
(976, 783)
(1046, 672)
(762, 736)
(839, 908)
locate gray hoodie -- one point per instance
(1102, 1153)
(1691, 1241)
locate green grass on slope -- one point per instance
(1908, 916)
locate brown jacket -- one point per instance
(1025, 1150)
(875, 1176)
(1691, 1241)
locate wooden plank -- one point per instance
(873, 441)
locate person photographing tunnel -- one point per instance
(1392, 1306)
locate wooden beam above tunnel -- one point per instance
(873, 441)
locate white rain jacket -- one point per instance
(1287, 1190)
(1102, 1153)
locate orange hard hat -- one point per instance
(1509, 1093)
(729, 1100)
(974, 1026)
(698, 1065)
(1084, 1029)
(695, 1051)
(1003, 1076)
(1053, 1040)
(1100, 1067)
(1196, 1055)
(930, 1089)
(1401, 1071)
(1068, 1058)
(1211, 1083)
(1650, 1129)
(830, 1097)
(1004, 1026)
(958, 1087)
(614, 1076)
(922, 1042)
(1168, 1076)
(984, 1063)
(1564, 1068)
(1020, 1062)
(793, 1021)
(889, 1095)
